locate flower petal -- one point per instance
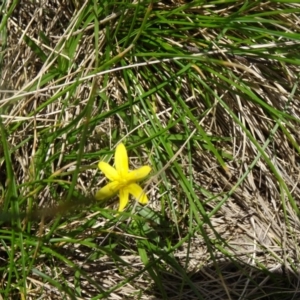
(121, 160)
(108, 191)
(110, 172)
(138, 174)
(138, 193)
(124, 198)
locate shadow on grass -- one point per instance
(230, 280)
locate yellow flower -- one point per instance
(122, 179)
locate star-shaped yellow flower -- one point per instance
(122, 179)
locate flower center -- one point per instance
(123, 182)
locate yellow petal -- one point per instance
(110, 172)
(108, 191)
(121, 160)
(138, 174)
(138, 193)
(124, 197)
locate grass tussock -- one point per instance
(205, 93)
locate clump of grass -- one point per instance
(204, 93)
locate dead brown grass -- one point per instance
(253, 221)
